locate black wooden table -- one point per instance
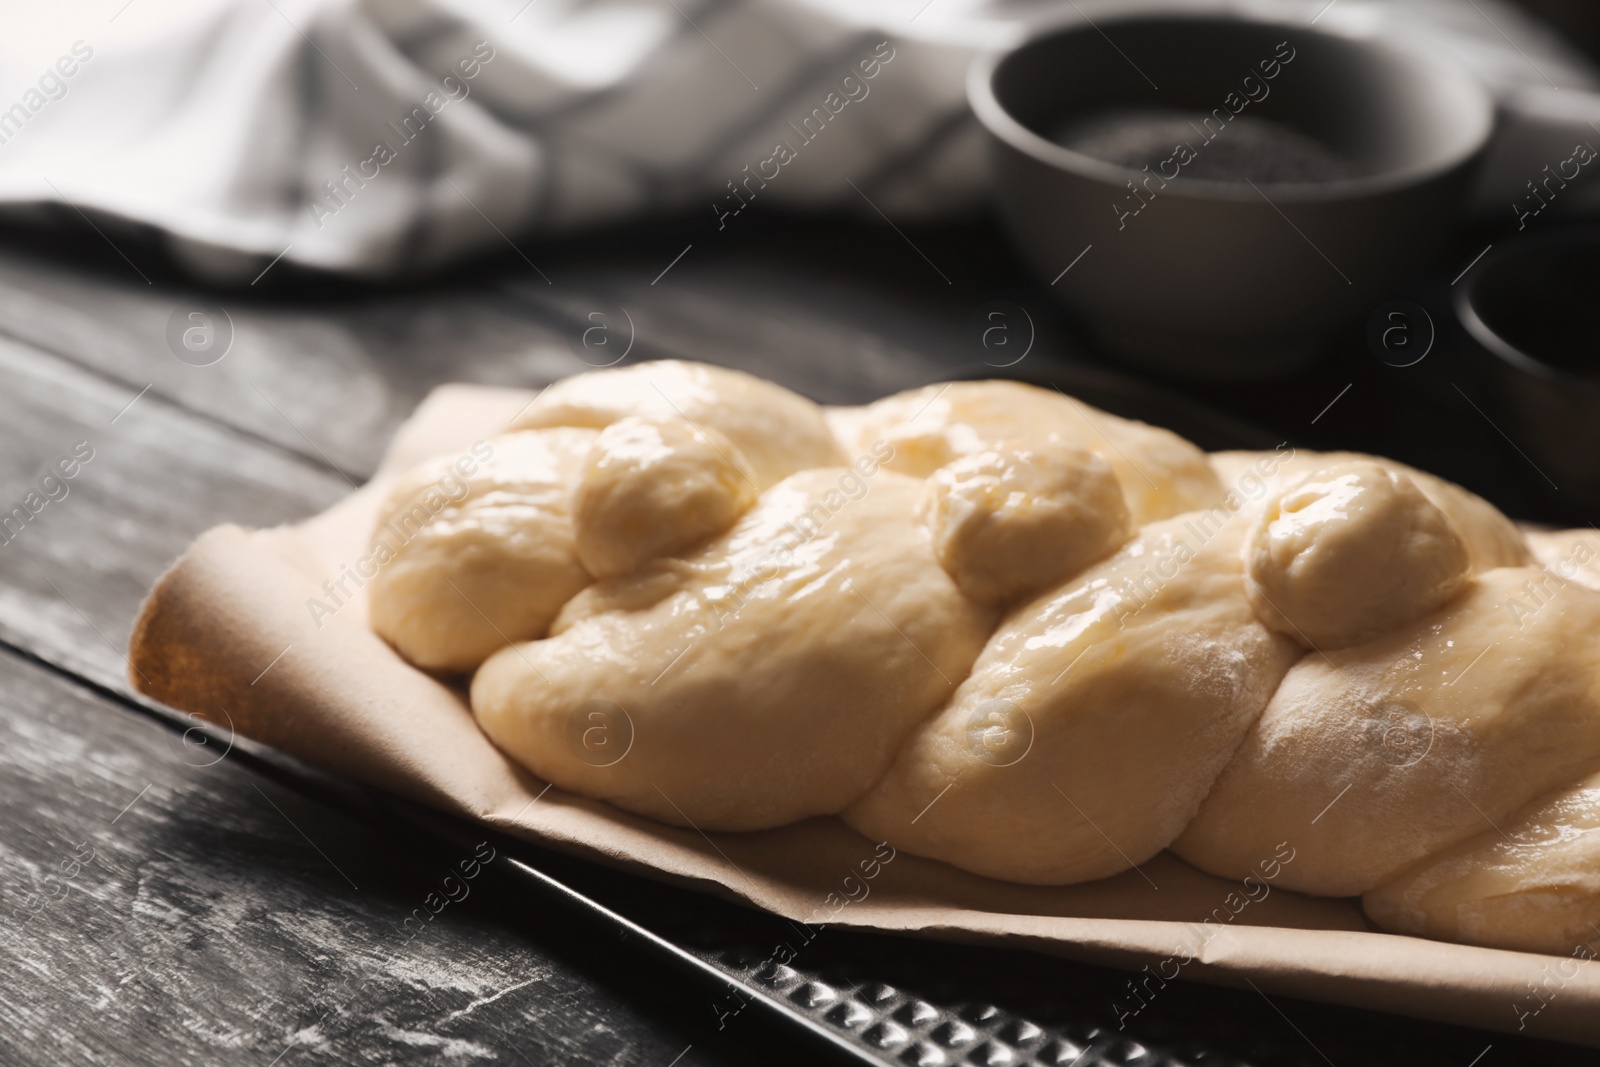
(169, 900)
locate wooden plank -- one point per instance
(762, 320)
(72, 575)
(160, 905)
(842, 313)
(329, 370)
(327, 379)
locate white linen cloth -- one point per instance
(382, 137)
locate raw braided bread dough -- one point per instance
(1161, 474)
(733, 662)
(471, 570)
(1492, 539)
(777, 431)
(1006, 522)
(1095, 720)
(1428, 743)
(1533, 883)
(994, 626)
(1349, 552)
(455, 543)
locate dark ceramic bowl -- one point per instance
(1208, 276)
(1532, 308)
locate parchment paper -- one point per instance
(338, 696)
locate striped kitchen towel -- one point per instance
(389, 137)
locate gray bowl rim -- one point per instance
(1466, 309)
(1000, 124)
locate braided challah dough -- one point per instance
(1161, 474)
(996, 627)
(733, 661)
(1532, 883)
(1440, 729)
(479, 551)
(459, 531)
(777, 431)
(1094, 721)
(1492, 539)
